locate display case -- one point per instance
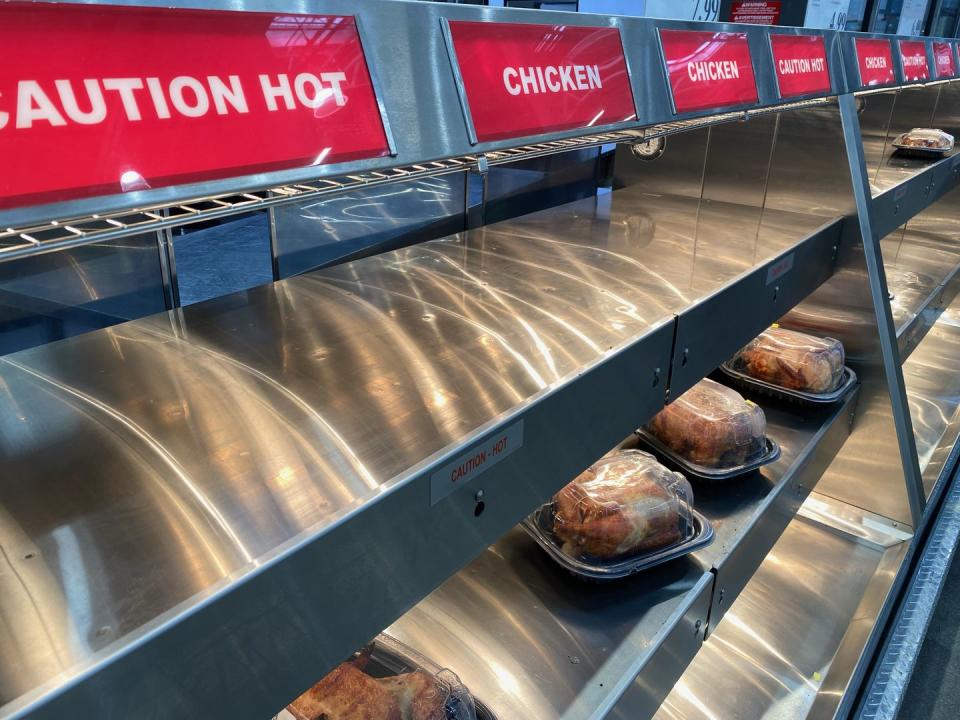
(206, 509)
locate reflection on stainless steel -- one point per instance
(933, 387)
(536, 643)
(886, 116)
(153, 463)
(51, 297)
(922, 262)
(788, 645)
(524, 186)
(867, 471)
(319, 232)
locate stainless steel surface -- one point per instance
(221, 448)
(912, 108)
(923, 269)
(933, 386)
(332, 229)
(888, 684)
(750, 515)
(784, 648)
(535, 642)
(810, 138)
(886, 335)
(49, 298)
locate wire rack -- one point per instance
(61, 234)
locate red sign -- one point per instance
(800, 62)
(875, 62)
(913, 56)
(522, 79)
(708, 70)
(100, 99)
(946, 66)
(755, 12)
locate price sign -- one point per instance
(708, 70)
(101, 99)
(946, 64)
(525, 79)
(699, 10)
(913, 57)
(826, 14)
(912, 13)
(875, 62)
(800, 62)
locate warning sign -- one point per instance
(755, 12)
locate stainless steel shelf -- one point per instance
(922, 265)
(906, 187)
(512, 610)
(750, 515)
(791, 641)
(238, 461)
(933, 389)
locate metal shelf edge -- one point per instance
(900, 203)
(258, 639)
(778, 510)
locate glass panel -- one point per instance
(51, 297)
(945, 23)
(215, 260)
(363, 222)
(529, 185)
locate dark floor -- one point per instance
(934, 690)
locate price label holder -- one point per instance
(149, 97)
(874, 62)
(913, 60)
(800, 65)
(521, 79)
(944, 60)
(708, 70)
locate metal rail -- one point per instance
(66, 233)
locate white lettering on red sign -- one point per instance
(521, 79)
(704, 70)
(914, 61)
(708, 70)
(801, 66)
(65, 101)
(551, 78)
(875, 63)
(944, 56)
(243, 92)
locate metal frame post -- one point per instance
(168, 267)
(274, 246)
(878, 290)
